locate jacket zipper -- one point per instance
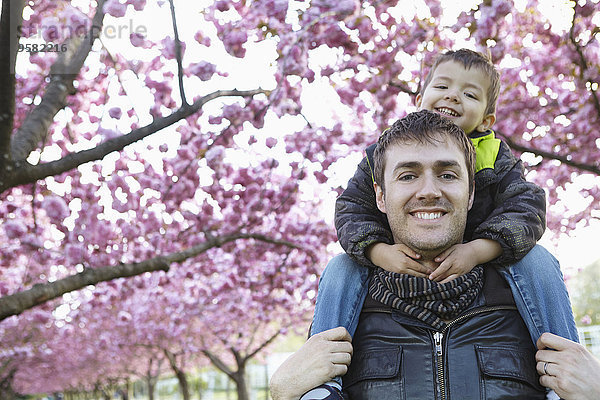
(438, 338)
(439, 355)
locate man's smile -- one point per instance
(428, 215)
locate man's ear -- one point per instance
(418, 100)
(379, 196)
(487, 123)
(472, 197)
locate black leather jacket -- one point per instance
(486, 353)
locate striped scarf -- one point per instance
(426, 300)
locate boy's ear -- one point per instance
(379, 196)
(418, 101)
(487, 123)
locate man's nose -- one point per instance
(429, 188)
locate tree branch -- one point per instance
(262, 346)
(63, 72)
(16, 303)
(403, 87)
(28, 173)
(178, 56)
(217, 362)
(583, 65)
(12, 15)
(550, 156)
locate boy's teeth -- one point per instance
(448, 111)
(422, 215)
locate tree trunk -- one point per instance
(183, 383)
(181, 378)
(241, 384)
(151, 382)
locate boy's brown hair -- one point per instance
(469, 58)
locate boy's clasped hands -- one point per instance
(454, 262)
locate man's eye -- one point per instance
(448, 176)
(406, 177)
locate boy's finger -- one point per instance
(441, 257)
(408, 251)
(417, 267)
(440, 271)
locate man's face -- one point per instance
(426, 195)
(460, 95)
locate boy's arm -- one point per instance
(358, 221)
(509, 231)
(519, 218)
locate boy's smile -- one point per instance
(460, 95)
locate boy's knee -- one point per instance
(340, 269)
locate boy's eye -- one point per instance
(471, 96)
(441, 87)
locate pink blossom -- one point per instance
(77, 21)
(270, 142)
(51, 29)
(222, 5)
(233, 40)
(214, 156)
(115, 112)
(168, 48)
(203, 70)
(115, 8)
(107, 133)
(138, 5)
(74, 253)
(56, 208)
(137, 40)
(14, 229)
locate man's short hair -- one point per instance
(469, 58)
(422, 127)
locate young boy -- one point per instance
(506, 220)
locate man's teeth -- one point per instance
(422, 215)
(448, 111)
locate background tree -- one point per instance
(201, 152)
(585, 298)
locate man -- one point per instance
(418, 339)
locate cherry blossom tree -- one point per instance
(163, 195)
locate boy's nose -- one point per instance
(452, 96)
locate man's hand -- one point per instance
(570, 370)
(397, 258)
(462, 258)
(323, 357)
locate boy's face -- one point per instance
(460, 95)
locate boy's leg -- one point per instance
(343, 287)
(541, 295)
(342, 291)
